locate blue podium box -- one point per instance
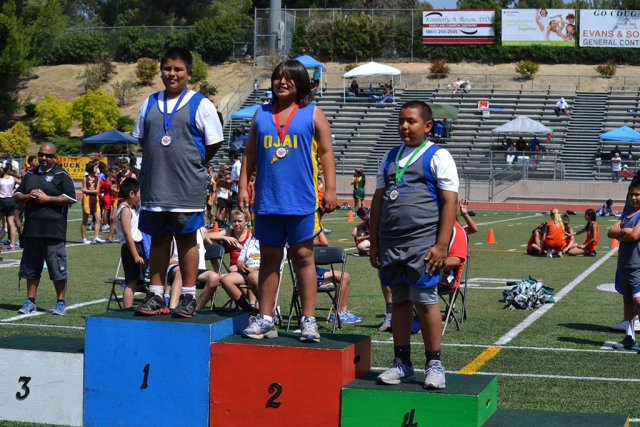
(151, 371)
(41, 379)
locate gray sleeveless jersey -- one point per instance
(172, 177)
(412, 218)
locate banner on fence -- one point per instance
(526, 27)
(454, 26)
(76, 165)
(610, 28)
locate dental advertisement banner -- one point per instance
(453, 26)
(527, 27)
(609, 28)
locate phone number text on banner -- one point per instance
(453, 26)
(609, 28)
(76, 166)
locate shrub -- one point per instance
(53, 115)
(608, 69)
(124, 91)
(16, 139)
(125, 124)
(65, 145)
(30, 109)
(527, 68)
(77, 48)
(200, 69)
(349, 67)
(146, 70)
(439, 66)
(96, 111)
(98, 73)
(208, 89)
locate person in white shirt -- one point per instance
(616, 167)
(562, 106)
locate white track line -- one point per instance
(42, 326)
(40, 313)
(507, 220)
(518, 347)
(505, 339)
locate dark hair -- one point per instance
(175, 53)
(31, 158)
(90, 166)
(570, 16)
(423, 109)
(220, 118)
(610, 202)
(565, 217)
(233, 154)
(362, 211)
(129, 185)
(294, 71)
(591, 214)
(123, 161)
(102, 166)
(635, 184)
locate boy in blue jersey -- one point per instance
(179, 131)
(412, 216)
(285, 140)
(627, 231)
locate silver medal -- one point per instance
(394, 194)
(166, 140)
(281, 152)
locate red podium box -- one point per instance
(276, 381)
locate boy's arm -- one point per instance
(125, 219)
(471, 227)
(615, 232)
(247, 168)
(374, 224)
(325, 148)
(629, 235)
(437, 255)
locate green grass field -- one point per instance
(560, 361)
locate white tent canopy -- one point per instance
(523, 125)
(369, 69)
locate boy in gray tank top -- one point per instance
(412, 215)
(627, 231)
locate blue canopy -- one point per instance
(111, 137)
(246, 112)
(310, 62)
(623, 133)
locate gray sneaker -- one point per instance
(397, 373)
(260, 328)
(386, 324)
(435, 376)
(28, 307)
(627, 342)
(309, 331)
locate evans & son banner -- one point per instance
(609, 28)
(526, 27)
(453, 26)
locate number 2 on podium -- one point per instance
(277, 388)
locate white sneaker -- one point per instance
(396, 374)
(97, 240)
(435, 376)
(260, 328)
(309, 331)
(104, 228)
(85, 242)
(622, 326)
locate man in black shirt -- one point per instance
(47, 193)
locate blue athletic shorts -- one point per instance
(277, 230)
(320, 274)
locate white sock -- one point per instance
(158, 290)
(631, 330)
(269, 318)
(189, 291)
(310, 318)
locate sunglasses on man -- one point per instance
(47, 155)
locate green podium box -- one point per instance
(468, 401)
(526, 418)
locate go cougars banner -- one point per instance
(452, 26)
(610, 28)
(526, 27)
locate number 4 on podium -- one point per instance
(408, 419)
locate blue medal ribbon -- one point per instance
(168, 118)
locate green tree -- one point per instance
(15, 59)
(53, 115)
(96, 111)
(15, 140)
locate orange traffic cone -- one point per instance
(491, 240)
(216, 227)
(350, 216)
(517, 207)
(614, 244)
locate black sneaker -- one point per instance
(151, 305)
(186, 307)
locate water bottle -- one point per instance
(549, 253)
(333, 139)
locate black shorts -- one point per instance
(7, 206)
(233, 201)
(132, 271)
(222, 203)
(37, 251)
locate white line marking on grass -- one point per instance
(506, 220)
(518, 347)
(42, 326)
(505, 339)
(40, 313)
(511, 250)
(11, 264)
(18, 251)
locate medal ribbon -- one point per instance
(400, 173)
(169, 118)
(276, 111)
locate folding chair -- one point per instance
(214, 252)
(323, 256)
(117, 280)
(450, 296)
